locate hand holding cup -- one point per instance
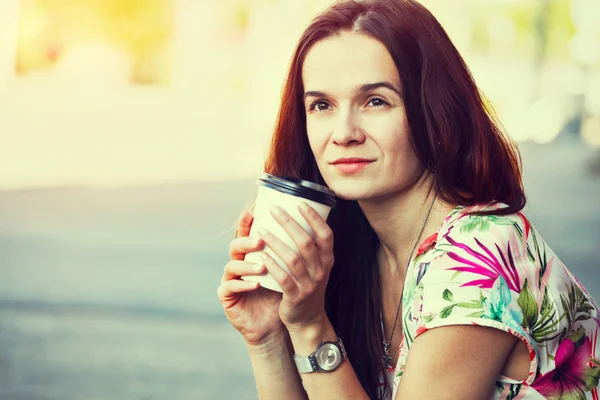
(290, 218)
(288, 194)
(253, 312)
(308, 264)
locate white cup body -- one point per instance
(266, 198)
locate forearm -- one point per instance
(275, 371)
(339, 384)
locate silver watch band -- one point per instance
(309, 364)
(305, 364)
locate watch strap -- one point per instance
(306, 364)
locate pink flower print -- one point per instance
(569, 377)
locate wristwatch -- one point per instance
(326, 358)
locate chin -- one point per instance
(351, 189)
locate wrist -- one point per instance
(271, 343)
(306, 339)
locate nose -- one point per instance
(347, 130)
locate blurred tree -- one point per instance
(548, 21)
(142, 29)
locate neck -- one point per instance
(398, 220)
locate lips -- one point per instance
(349, 166)
(351, 160)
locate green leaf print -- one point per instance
(546, 303)
(477, 314)
(530, 255)
(577, 335)
(475, 222)
(518, 229)
(455, 275)
(447, 295)
(541, 255)
(592, 377)
(499, 387)
(470, 304)
(546, 323)
(428, 318)
(446, 311)
(576, 305)
(475, 304)
(455, 211)
(529, 307)
(574, 394)
(482, 222)
(513, 391)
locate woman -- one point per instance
(427, 272)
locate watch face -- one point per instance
(328, 357)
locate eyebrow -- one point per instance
(360, 89)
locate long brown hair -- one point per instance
(453, 133)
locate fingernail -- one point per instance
(263, 257)
(276, 210)
(303, 206)
(258, 267)
(263, 231)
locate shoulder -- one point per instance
(465, 222)
(490, 238)
(478, 273)
(480, 267)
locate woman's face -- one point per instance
(354, 109)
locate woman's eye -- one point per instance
(377, 102)
(319, 106)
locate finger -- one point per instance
(239, 247)
(228, 291)
(244, 224)
(305, 243)
(286, 281)
(322, 230)
(292, 260)
(235, 269)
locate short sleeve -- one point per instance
(480, 274)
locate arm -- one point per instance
(480, 299)
(274, 369)
(469, 360)
(456, 362)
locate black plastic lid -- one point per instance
(298, 187)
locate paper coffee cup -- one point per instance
(287, 193)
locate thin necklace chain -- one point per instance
(387, 344)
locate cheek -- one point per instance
(317, 138)
(393, 137)
(400, 159)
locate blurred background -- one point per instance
(131, 134)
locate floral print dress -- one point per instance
(496, 271)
